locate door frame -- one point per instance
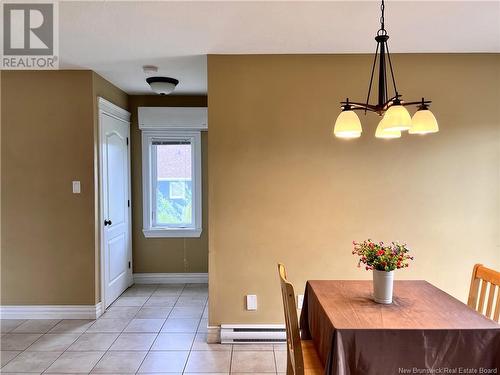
(106, 108)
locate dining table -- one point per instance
(423, 331)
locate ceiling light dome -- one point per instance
(385, 133)
(347, 124)
(162, 85)
(397, 117)
(423, 121)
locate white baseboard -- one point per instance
(170, 278)
(51, 311)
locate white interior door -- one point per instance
(115, 206)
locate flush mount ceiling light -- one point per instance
(162, 85)
(395, 116)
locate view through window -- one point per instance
(174, 195)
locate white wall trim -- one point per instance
(170, 278)
(51, 311)
(173, 118)
(113, 110)
(172, 232)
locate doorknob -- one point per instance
(107, 222)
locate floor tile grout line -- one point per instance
(231, 359)
(103, 352)
(147, 353)
(190, 349)
(275, 361)
(10, 360)
(121, 332)
(108, 350)
(170, 312)
(156, 337)
(41, 335)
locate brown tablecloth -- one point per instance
(424, 331)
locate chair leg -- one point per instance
(289, 367)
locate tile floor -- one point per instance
(149, 329)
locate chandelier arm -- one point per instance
(426, 102)
(371, 77)
(369, 107)
(390, 100)
(364, 109)
(385, 75)
(392, 71)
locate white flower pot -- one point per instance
(382, 286)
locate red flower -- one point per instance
(380, 252)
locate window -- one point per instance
(171, 183)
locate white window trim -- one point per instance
(147, 192)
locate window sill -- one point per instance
(166, 233)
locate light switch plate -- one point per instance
(300, 301)
(76, 187)
(251, 302)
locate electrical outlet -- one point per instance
(76, 187)
(251, 302)
(300, 301)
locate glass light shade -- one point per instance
(347, 125)
(384, 133)
(162, 88)
(397, 118)
(423, 122)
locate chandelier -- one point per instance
(395, 117)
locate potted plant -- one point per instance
(383, 260)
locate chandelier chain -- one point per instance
(382, 56)
(382, 20)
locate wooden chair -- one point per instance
(481, 278)
(301, 355)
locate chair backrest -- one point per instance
(481, 278)
(295, 360)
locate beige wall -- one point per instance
(48, 135)
(177, 255)
(281, 188)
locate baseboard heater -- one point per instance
(252, 333)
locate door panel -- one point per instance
(116, 149)
(115, 182)
(117, 252)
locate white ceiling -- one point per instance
(116, 39)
